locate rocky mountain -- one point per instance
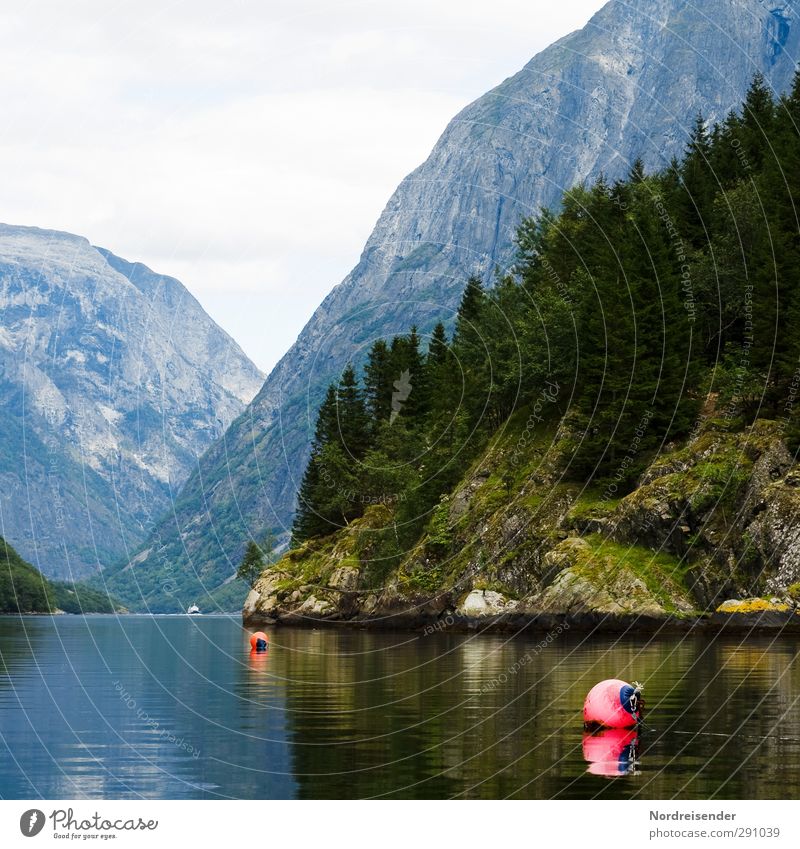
(114, 383)
(629, 84)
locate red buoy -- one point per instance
(613, 704)
(259, 641)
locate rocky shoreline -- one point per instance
(771, 621)
(708, 541)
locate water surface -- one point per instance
(176, 707)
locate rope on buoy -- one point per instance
(754, 738)
(636, 698)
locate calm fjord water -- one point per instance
(176, 707)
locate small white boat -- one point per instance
(194, 610)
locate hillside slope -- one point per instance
(23, 589)
(714, 519)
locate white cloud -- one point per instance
(246, 148)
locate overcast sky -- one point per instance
(246, 148)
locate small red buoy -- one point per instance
(613, 704)
(259, 641)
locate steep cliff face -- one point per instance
(711, 532)
(114, 382)
(629, 84)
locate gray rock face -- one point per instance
(629, 84)
(114, 381)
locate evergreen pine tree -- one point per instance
(667, 359)
(443, 378)
(352, 418)
(309, 520)
(531, 240)
(757, 123)
(698, 185)
(252, 565)
(775, 277)
(327, 425)
(727, 161)
(378, 379)
(473, 302)
(470, 349)
(606, 335)
(502, 329)
(409, 391)
(437, 357)
(637, 173)
(779, 186)
(721, 275)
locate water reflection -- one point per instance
(180, 708)
(611, 752)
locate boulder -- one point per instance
(478, 603)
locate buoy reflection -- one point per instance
(611, 751)
(258, 661)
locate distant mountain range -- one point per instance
(113, 382)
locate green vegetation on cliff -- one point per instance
(611, 428)
(23, 589)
